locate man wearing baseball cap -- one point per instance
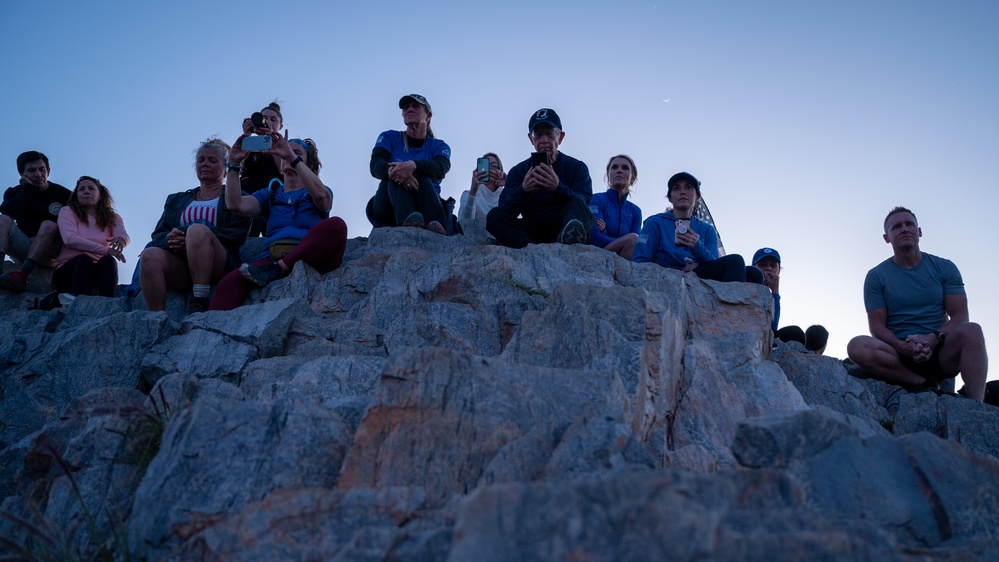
(547, 196)
(767, 260)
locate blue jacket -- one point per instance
(657, 242)
(620, 218)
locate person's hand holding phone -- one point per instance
(280, 147)
(532, 180)
(236, 153)
(546, 177)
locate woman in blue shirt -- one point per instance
(299, 226)
(410, 165)
(617, 220)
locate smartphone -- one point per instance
(482, 169)
(257, 143)
(539, 158)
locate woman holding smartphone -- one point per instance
(93, 237)
(197, 238)
(677, 239)
(260, 168)
(483, 196)
(410, 165)
(617, 220)
(299, 226)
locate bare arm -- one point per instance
(241, 205)
(877, 321)
(320, 195)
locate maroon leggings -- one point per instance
(322, 248)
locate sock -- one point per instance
(201, 289)
(28, 266)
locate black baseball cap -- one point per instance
(414, 97)
(544, 115)
(683, 176)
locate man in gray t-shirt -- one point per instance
(918, 315)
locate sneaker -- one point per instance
(263, 275)
(198, 304)
(573, 233)
(437, 227)
(66, 299)
(414, 219)
(15, 281)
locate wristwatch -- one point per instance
(940, 336)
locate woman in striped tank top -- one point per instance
(197, 238)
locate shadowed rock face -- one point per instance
(446, 399)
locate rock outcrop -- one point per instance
(447, 399)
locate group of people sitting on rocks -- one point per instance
(267, 183)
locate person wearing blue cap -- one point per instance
(547, 196)
(767, 260)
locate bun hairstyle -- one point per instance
(104, 213)
(273, 106)
(215, 144)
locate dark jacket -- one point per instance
(543, 205)
(231, 230)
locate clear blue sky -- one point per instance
(805, 121)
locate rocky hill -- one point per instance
(446, 399)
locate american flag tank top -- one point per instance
(204, 212)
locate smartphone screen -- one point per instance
(482, 169)
(539, 158)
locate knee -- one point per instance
(857, 348)
(5, 223)
(735, 261)
(198, 235)
(337, 227)
(48, 229)
(970, 332)
(151, 261)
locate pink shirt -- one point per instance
(86, 238)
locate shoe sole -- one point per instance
(245, 271)
(573, 235)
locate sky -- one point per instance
(806, 122)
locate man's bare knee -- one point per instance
(48, 228)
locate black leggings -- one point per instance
(729, 268)
(81, 276)
(392, 203)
